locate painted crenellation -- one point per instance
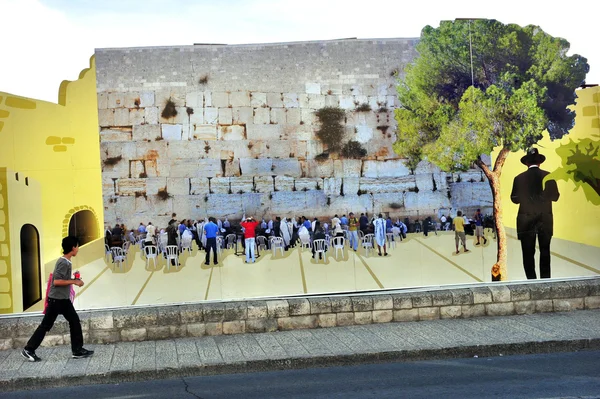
(242, 136)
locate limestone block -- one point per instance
(263, 184)
(264, 132)
(213, 312)
(214, 328)
(136, 117)
(130, 186)
(256, 167)
(277, 149)
(232, 132)
(312, 88)
(347, 168)
(320, 305)
(429, 313)
(305, 184)
(345, 319)
(175, 94)
(297, 322)
(316, 101)
(290, 100)
(592, 302)
(211, 116)
(243, 115)
(232, 168)
(525, 307)
(293, 116)
(116, 100)
(308, 116)
(171, 132)
(194, 99)
(422, 300)
(275, 100)
(500, 293)
(225, 116)
(258, 99)
(332, 101)
(151, 115)
(239, 99)
(278, 308)
(101, 321)
(220, 99)
(481, 295)
(196, 330)
(199, 185)
(207, 99)
(136, 168)
(261, 325)
(363, 318)
(327, 320)
(332, 186)
(178, 186)
(106, 117)
(145, 132)
(318, 169)
(262, 116)
(238, 184)
(544, 306)
(278, 116)
(341, 304)
(115, 134)
(220, 185)
(450, 312)
(500, 309)
(364, 133)
(204, 132)
(383, 302)
(519, 292)
(567, 305)
(184, 150)
(303, 100)
(133, 334)
(390, 168)
(441, 298)
(362, 303)
(462, 296)
(286, 167)
(197, 117)
(383, 316)
(284, 183)
(347, 102)
(146, 99)
(234, 327)
(104, 337)
(209, 168)
(102, 101)
(187, 167)
(386, 184)
(468, 311)
(299, 306)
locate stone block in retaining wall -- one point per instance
(297, 322)
(519, 293)
(327, 320)
(299, 306)
(592, 302)
(320, 305)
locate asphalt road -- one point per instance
(559, 375)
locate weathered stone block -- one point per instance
(422, 299)
(468, 311)
(429, 313)
(239, 99)
(567, 305)
(383, 302)
(225, 116)
(569, 289)
(101, 321)
(133, 334)
(383, 316)
(232, 133)
(541, 291)
(213, 312)
(158, 332)
(258, 99)
(151, 115)
(500, 293)
(234, 327)
(441, 298)
(362, 303)
(525, 307)
(592, 302)
(235, 311)
(462, 296)
(345, 319)
(327, 320)
(220, 99)
(275, 100)
(261, 325)
(211, 116)
(406, 315)
(104, 336)
(299, 306)
(319, 305)
(171, 132)
(145, 132)
(196, 329)
(500, 309)
(519, 293)
(297, 322)
(214, 328)
(341, 304)
(290, 100)
(402, 301)
(243, 115)
(53, 340)
(134, 318)
(278, 308)
(450, 312)
(262, 116)
(363, 317)
(481, 295)
(178, 331)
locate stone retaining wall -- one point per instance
(193, 320)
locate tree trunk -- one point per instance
(493, 176)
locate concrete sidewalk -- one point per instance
(437, 339)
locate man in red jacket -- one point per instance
(249, 226)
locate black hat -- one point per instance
(533, 157)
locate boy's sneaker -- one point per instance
(30, 355)
(81, 353)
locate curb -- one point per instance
(250, 366)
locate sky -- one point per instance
(47, 41)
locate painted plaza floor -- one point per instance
(415, 262)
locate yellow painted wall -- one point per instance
(577, 212)
(57, 145)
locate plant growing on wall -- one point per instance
(110, 161)
(163, 194)
(169, 111)
(364, 107)
(331, 131)
(353, 149)
(480, 85)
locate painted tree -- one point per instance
(478, 85)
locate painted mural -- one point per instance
(129, 147)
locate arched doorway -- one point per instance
(84, 226)
(31, 266)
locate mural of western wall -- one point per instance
(218, 130)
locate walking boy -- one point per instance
(459, 231)
(59, 302)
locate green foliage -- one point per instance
(331, 131)
(364, 107)
(353, 149)
(523, 84)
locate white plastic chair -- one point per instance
(219, 246)
(151, 252)
(230, 241)
(172, 254)
(126, 246)
(277, 243)
(186, 244)
(391, 240)
(118, 256)
(163, 239)
(367, 243)
(361, 235)
(321, 249)
(305, 242)
(261, 242)
(338, 245)
(107, 252)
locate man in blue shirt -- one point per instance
(344, 221)
(210, 231)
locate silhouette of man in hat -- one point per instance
(534, 218)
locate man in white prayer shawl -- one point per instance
(379, 224)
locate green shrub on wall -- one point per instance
(331, 131)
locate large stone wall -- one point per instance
(243, 137)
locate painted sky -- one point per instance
(47, 41)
